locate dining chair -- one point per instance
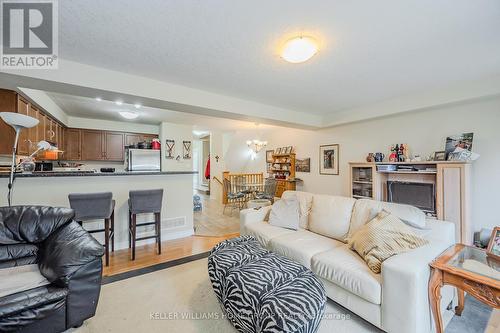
(269, 190)
(235, 199)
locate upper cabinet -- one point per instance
(72, 144)
(98, 145)
(114, 146)
(11, 101)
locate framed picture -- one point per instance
(440, 156)
(278, 151)
(269, 156)
(463, 141)
(494, 244)
(186, 150)
(329, 159)
(303, 165)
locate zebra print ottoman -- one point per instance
(260, 291)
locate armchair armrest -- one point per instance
(251, 215)
(65, 251)
(405, 279)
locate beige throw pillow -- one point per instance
(381, 238)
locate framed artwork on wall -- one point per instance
(329, 159)
(493, 249)
(303, 165)
(269, 156)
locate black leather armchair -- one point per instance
(67, 256)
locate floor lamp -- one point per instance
(18, 122)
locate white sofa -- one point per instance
(395, 300)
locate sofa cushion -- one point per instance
(264, 232)
(20, 278)
(285, 213)
(305, 204)
(383, 237)
(302, 245)
(331, 215)
(38, 302)
(346, 269)
(365, 210)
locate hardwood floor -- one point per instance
(119, 261)
(211, 221)
(211, 225)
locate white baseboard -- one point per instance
(166, 234)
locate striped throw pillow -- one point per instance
(381, 238)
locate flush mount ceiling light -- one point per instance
(119, 102)
(128, 114)
(98, 99)
(137, 106)
(299, 49)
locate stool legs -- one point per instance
(106, 240)
(158, 231)
(134, 230)
(113, 231)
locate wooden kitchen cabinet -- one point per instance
(72, 145)
(132, 138)
(114, 146)
(8, 103)
(92, 145)
(23, 146)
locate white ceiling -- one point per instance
(84, 107)
(370, 50)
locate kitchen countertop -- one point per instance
(95, 174)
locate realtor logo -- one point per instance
(29, 34)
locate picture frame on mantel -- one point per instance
(329, 159)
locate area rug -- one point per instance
(181, 299)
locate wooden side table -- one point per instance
(468, 269)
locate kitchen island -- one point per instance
(52, 189)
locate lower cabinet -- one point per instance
(284, 185)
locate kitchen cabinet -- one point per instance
(72, 144)
(114, 146)
(92, 145)
(132, 138)
(23, 146)
(8, 101)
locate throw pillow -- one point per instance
(381, 238)
(285, 213)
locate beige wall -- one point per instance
(424, 131)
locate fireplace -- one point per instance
(421, 195)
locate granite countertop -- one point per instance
(95, 174)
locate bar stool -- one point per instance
(142, 202)
(96, 206)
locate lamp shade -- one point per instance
(18, 121)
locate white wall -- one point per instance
(425, 132)
(178, 133)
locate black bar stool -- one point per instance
(142, 202)
(96, 206)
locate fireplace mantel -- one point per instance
(452, 180)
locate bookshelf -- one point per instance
(282, 168)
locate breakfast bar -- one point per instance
(52, 189)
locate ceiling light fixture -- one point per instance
(137, 105)
(119, 102)
(128, 114)
(299, 49)
(98, 99)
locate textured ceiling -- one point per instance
(370, 50)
